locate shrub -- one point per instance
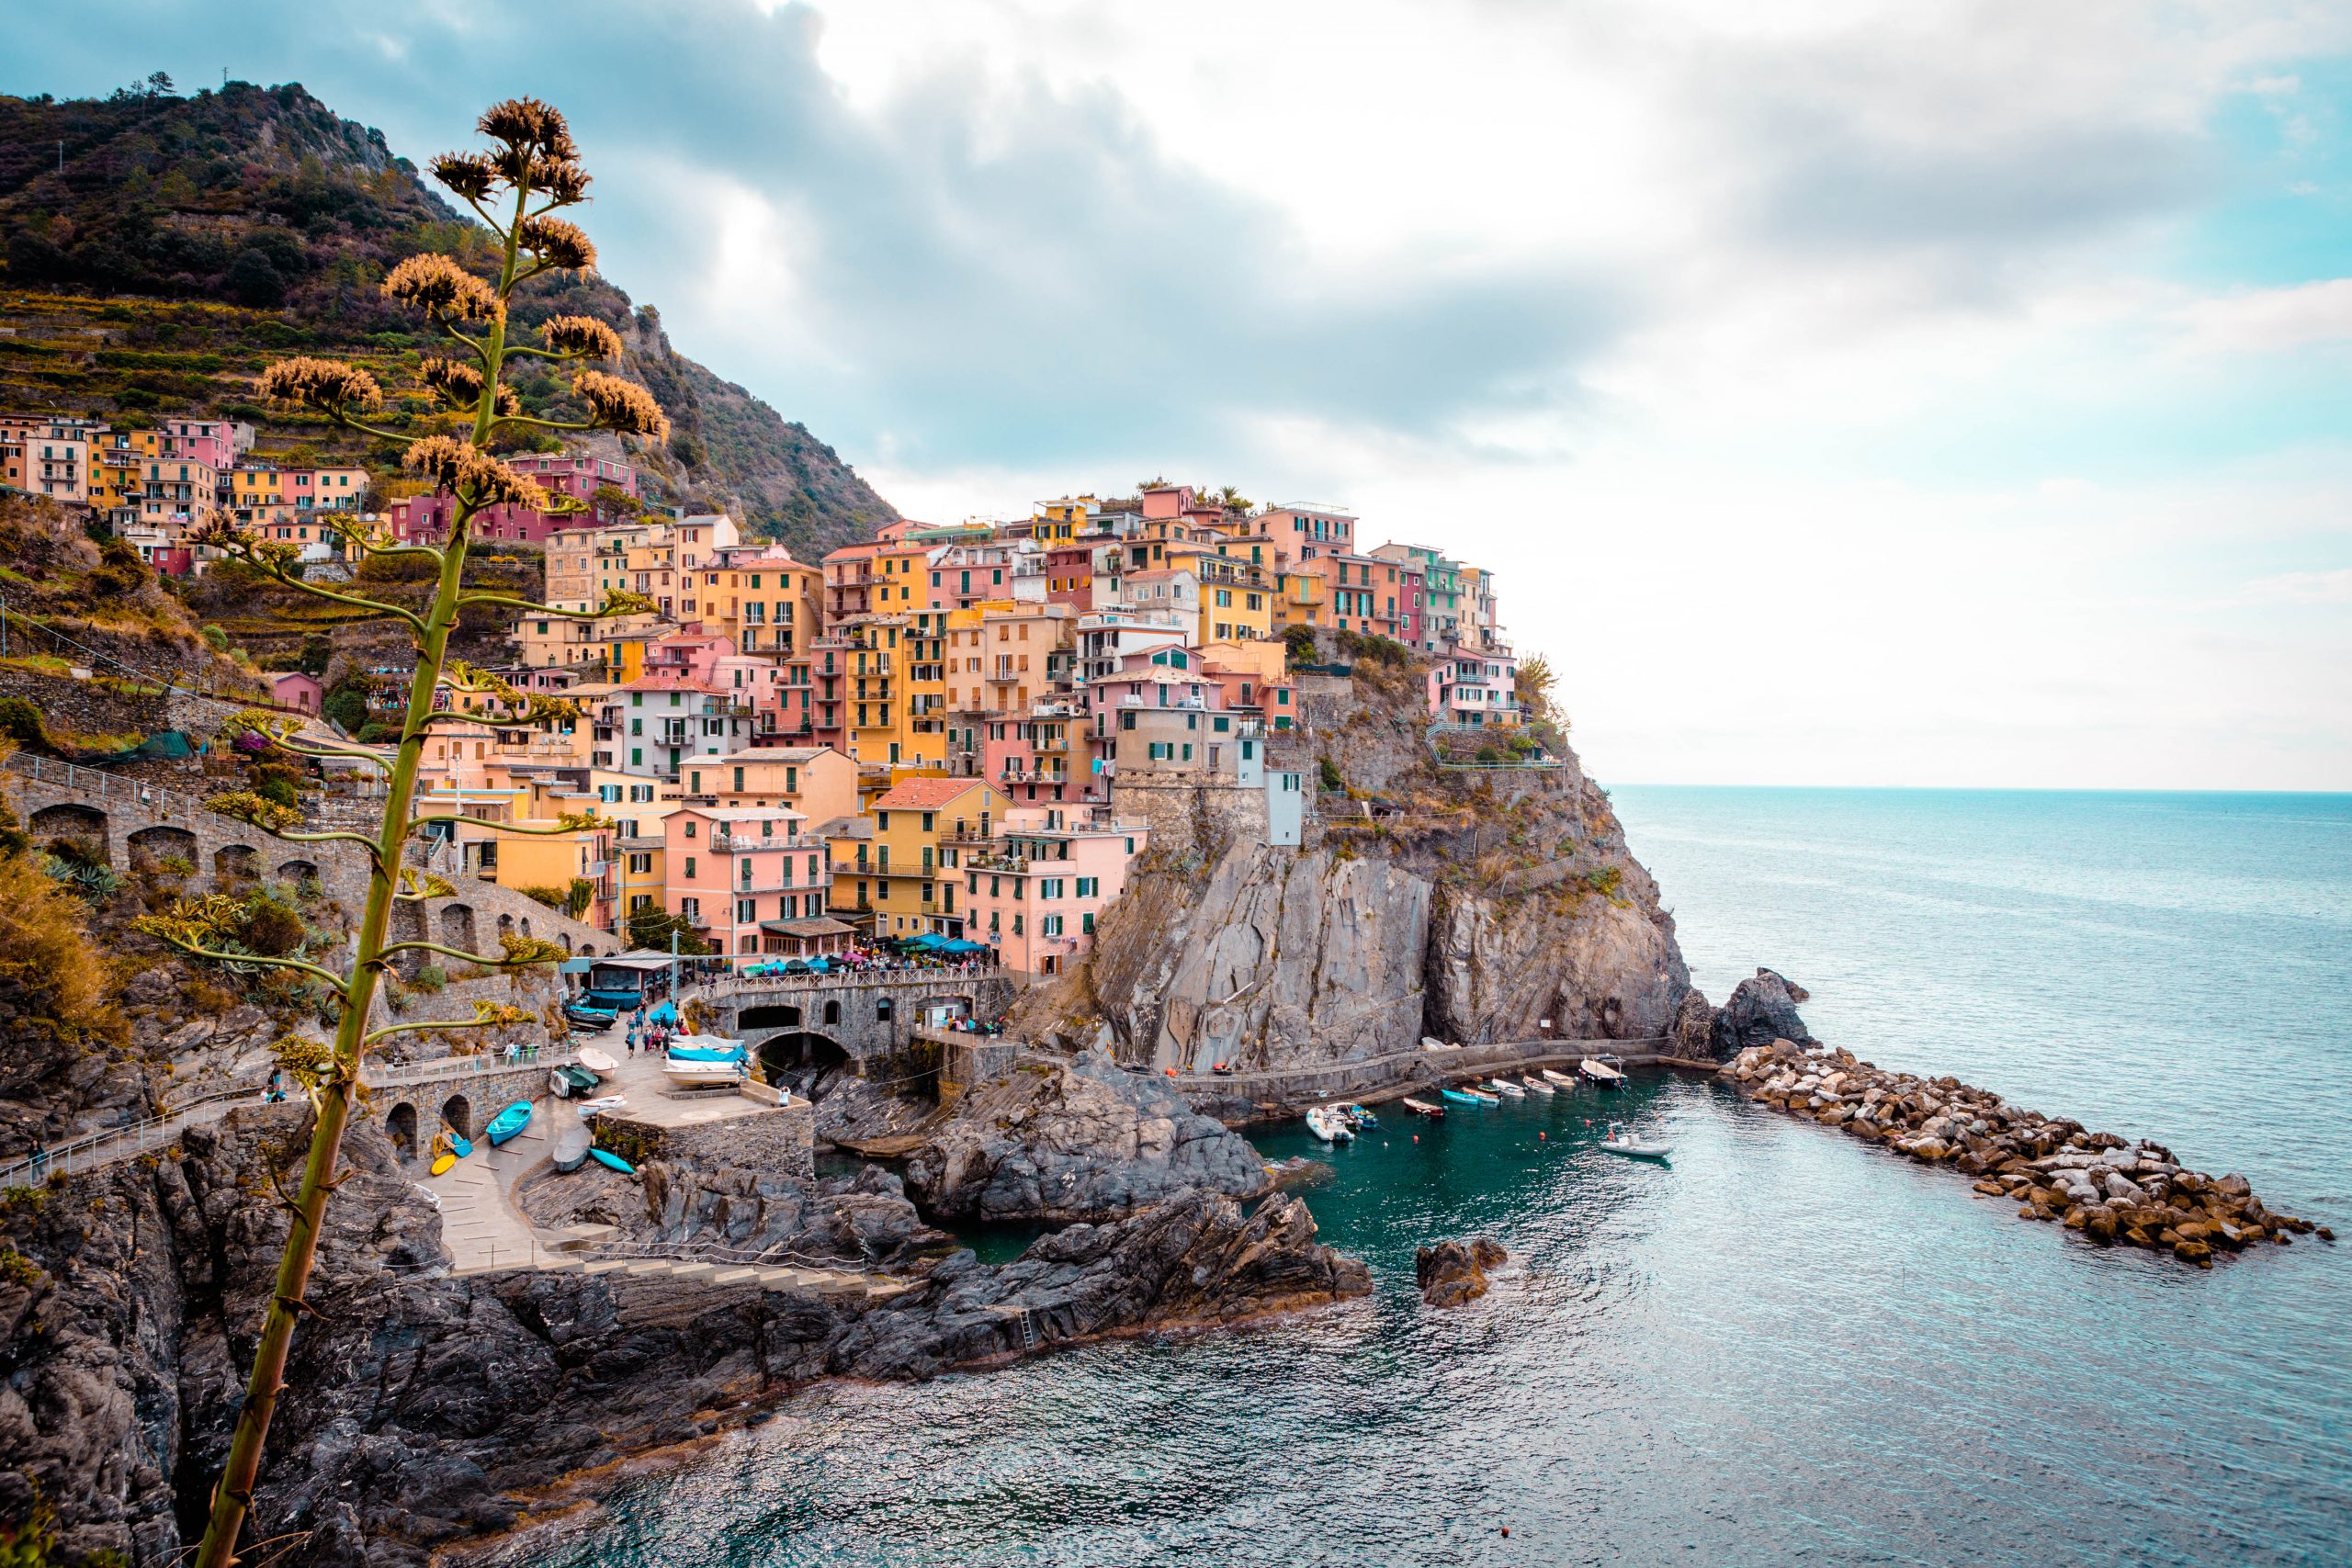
(348, 707)
(553, 897)
(432, 977)
(279, 791)
(54, 985)
(216, 637)
(21, 721)
(376, 730)
(270, 926)
(177, 865)
(1328, 773)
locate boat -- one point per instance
(612, 1161)
(595, 1061)
(508, 1123)
(441, 1166)
(699, 1061)
(1328, 1124)
(602, 1102)
(1560, 1081)
(1538, 1086)
(1423, 1107)
(460, 1147)
(1469, 1096)
(1358, 1117)
(1605, 1070)
(565, 1082)
(588, 1016)
(1621, 1141)
(570, 1147)
(1505, 1087)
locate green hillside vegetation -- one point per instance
(189, 241)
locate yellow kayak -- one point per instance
(441, 1167)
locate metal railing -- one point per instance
(109, 1145)
(852, 979)
(94, 781)
(480, 1064)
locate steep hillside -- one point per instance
(1475, 906)
(189, 241)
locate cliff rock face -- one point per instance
(419, 1403)
(1426, 901)
(1076, 1140)
(1761, 1010)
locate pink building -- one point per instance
(1305, 533)
(1035, 903)
(292, 689)
(425, 519)
(1043, 758)
(750, 880)
(215, 442)
(690, 655)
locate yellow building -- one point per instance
(1001, 657)
(901, 870)
(761, 599)
(1301, 599)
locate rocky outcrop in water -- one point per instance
(1075, 1139)
(2109, 1187)
(1453, 1272)
(1761, 1010)
(420, 1406)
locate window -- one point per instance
(1088, 886)
(1086, 924)
(690, 868)
(1049, 888)
(746, 911)
(692, 909)
(641, 864)
(1049, 925)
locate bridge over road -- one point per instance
(859, 1019)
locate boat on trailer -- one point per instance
(1423, 1107)
(1604, 1069)
(1621, 1141)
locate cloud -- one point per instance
(2269, 320)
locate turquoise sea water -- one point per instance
(1785, 1347)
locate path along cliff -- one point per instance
(1472, 903)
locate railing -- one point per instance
(92, 780)
(108, 1144)
(850, 980)
(727, 842)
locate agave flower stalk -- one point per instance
(530, 169)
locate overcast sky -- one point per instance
(1901, 393)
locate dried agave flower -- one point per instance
(565, 183)
(558, 243)
(471, 175)
(527, 122)
(436, 283)
(453, 465)
(582, 337)
(622, 405)
(460, 385)
(327, 384)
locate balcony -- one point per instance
(732, 843)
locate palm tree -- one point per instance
(531, 170)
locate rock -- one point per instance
(1760, 1011)
(1081, 1139)
(1453, 1272)
(1691, 1034)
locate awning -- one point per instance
(640, 959)
(574, 966)
(814, 926)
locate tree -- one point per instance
(1534, 685)
(652, 928)
(253, 280)
(533, 160)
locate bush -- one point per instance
(177, 865)
(347, 706)
(21, 721)
(1328, 773)
(270, 926)
(432, 977)
(553, 897)
(216, 637)
(279, 791)
(55, 983)
(376, 730)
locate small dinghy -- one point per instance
(603, 1102)
(508, 1123)
(1558, 1080)
(695, 1061)
(1329, 1125)
(612, 1161)
(1423, 1107)
(1605, 1070)
(1621, 1141)
(1358, 1117)
(1537, 1086)
(460, 1147)
(1470, 1096)
(595, 1061)
(565, 1082)
(571, 1147)
(1505, 1087)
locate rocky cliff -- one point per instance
(1471, 904)
(424, 1408)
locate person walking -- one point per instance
(41, 1159)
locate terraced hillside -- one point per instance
(189, 241)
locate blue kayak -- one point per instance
(612, 1161)
(460, 1147)
(1465, 1099)
(508, 1123)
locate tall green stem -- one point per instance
(234, 1496)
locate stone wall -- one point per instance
(1188, 816)
(782, 1140)
(409, 1114)
(847, 1011)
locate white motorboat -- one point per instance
(1621, 1141)
(1558, 1080)
(1537, 1085)
(596, 1061)
(1504, 1086)
(1603, 1070)
(1329, 1125)
(702, 1061)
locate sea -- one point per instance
(1781, 1346)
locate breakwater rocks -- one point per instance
(2109, 1187)
(1453, 1272)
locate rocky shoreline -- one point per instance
(2113, 1190)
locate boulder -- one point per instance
(1761, 1010)
(1453, 1272)
(1691, 1034)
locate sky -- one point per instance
(1909, 393)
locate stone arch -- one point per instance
(833, 1013)
(457, 926)
(297, 871)
(149, 845)
(236, 862)
(400, 1126)
(505, 925)
(69, 820)
(800, 1051)
(457, 1115)
(525, 925)
(567, 943)
(771, 1015)
(883, 1010)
